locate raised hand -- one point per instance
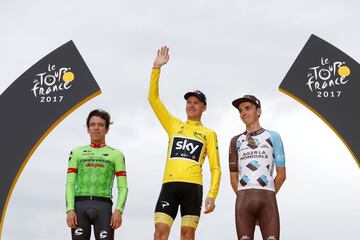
(162, 57)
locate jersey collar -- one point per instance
(255, 133)
(97, 145)
(195, 123)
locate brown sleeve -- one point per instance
(233, 155)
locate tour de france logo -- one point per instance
(326, 79)
(49, 85)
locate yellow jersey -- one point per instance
(189, 143)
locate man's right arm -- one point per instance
(233, 164)
(71, 218)
(234, 181)
(157, 105)
(71, 181)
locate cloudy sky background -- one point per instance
(226, 49)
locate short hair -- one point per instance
(99, 113)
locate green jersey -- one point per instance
(91, 172)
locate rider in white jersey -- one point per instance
(253, 155)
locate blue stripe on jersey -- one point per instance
(278, 148)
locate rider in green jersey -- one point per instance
(90, 177)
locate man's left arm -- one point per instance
(121, 180)
(279, 161)
(233, 164)
(280, 177)
(214, 163)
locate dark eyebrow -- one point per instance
(245, 108)
(97, 123)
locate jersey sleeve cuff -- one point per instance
(121, 210)
(212, 196)
(68, 210)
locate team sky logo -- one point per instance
(49, 85)
(326, 78)
(186, 148)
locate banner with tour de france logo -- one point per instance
(34, 104)
(326, 80)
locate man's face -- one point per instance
(249, 114)
(97, 129)
(194, 108)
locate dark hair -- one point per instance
(99, 113)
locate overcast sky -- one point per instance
(226, 49)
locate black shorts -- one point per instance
(93, 212)
(186, 195)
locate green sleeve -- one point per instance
(120, 172)
(71, 181)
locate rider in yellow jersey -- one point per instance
(189, 143)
